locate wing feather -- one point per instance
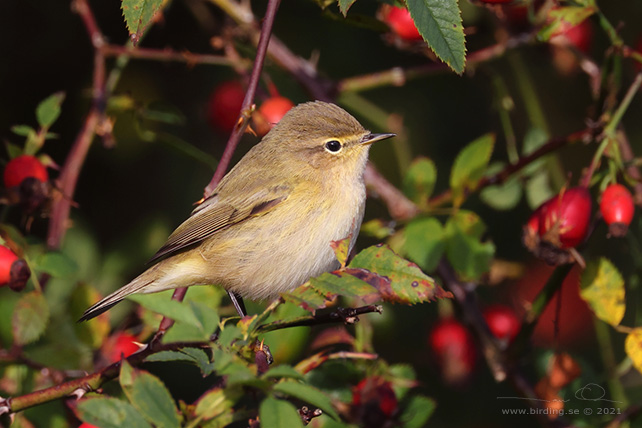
(216, 214)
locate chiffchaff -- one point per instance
(267, 227)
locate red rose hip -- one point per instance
(225, 105)
(454, 350)
(502, 322)
(402, 24)
(22, 167)
(565, 217)
(617, 209)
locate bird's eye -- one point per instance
(333, 146)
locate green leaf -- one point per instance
(94, 333)
(194, 356)
(503, 196)
(603, 289)
(341, 249)
(49, 109)
(309, 394)
(23, 130)
(344, 5)
(275, 413)
(108, 412)
(57, 265)
(217, 402)
(633, 347)
(470, 166)
(538, 189)
(150, 396)
(417, 411)
(425, 242)
(30, 318)
(439, 23)
(138, 15)
(283, 371)
(466, 252)
(419, 182)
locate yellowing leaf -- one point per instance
(603, 289)
(633, 347)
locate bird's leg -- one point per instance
(237, 301)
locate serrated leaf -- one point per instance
(503, 196)
(470, 166)
(439, 23)
(344, 5)
(633, 347)
(30, 318)
(57, 264)
(603, 289)
(466, 252)
(375, 274)
(275, 413)
(49, 109)
(217, 402)
(108, 412)
(23, 130)
(309, 394)
(419, 182)
(424, 242)
(417, 411)
(138, 15)
(149, 396)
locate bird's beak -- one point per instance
(371, 138)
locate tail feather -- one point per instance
(113, 299)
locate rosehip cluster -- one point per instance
(559, 224)
(14, 271)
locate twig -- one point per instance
(399, 207)
(87, 383)
(509, 170)
(609, 134)
(169, 55)
(629, 413)
(347, 315)
(398, 76)
(264, 40)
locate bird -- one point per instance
(268, 225)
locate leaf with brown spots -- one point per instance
(375, 275)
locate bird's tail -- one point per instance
(133, 287)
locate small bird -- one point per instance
(267, 227)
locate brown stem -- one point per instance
(168, 55)
(504, 174)
(87, 383)
(399, 207)
(264, 40)
(73, 163)
(346, 315)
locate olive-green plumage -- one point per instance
(267, 227)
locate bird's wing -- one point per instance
(217, 213)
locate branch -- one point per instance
(92, 382)
(346, 315)
(246, 108)
(170, 55)
(503, 175)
